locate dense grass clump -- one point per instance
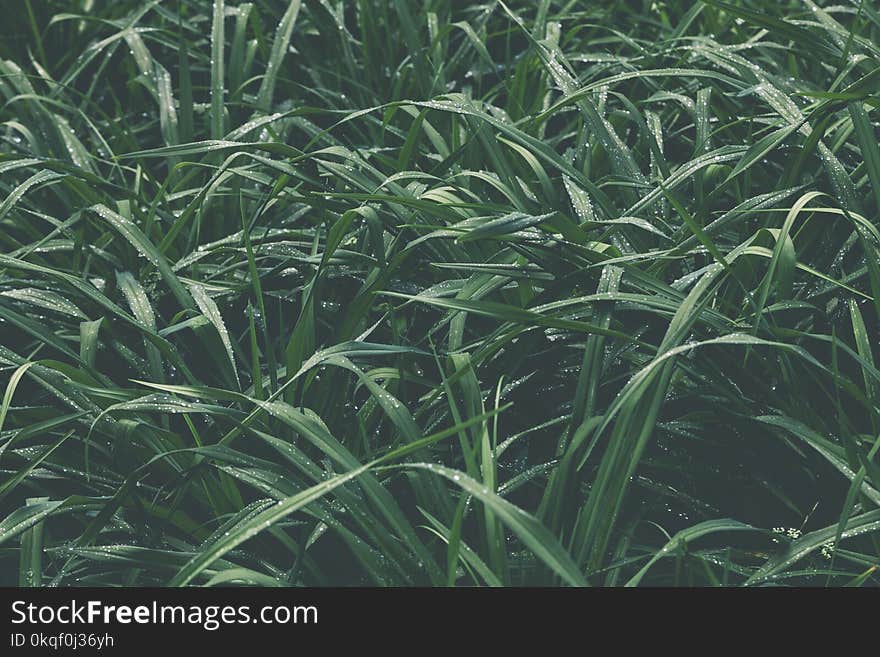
(439, 293)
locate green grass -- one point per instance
(392, 293)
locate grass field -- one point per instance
(439, 293)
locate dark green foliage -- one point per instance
(394, 293)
